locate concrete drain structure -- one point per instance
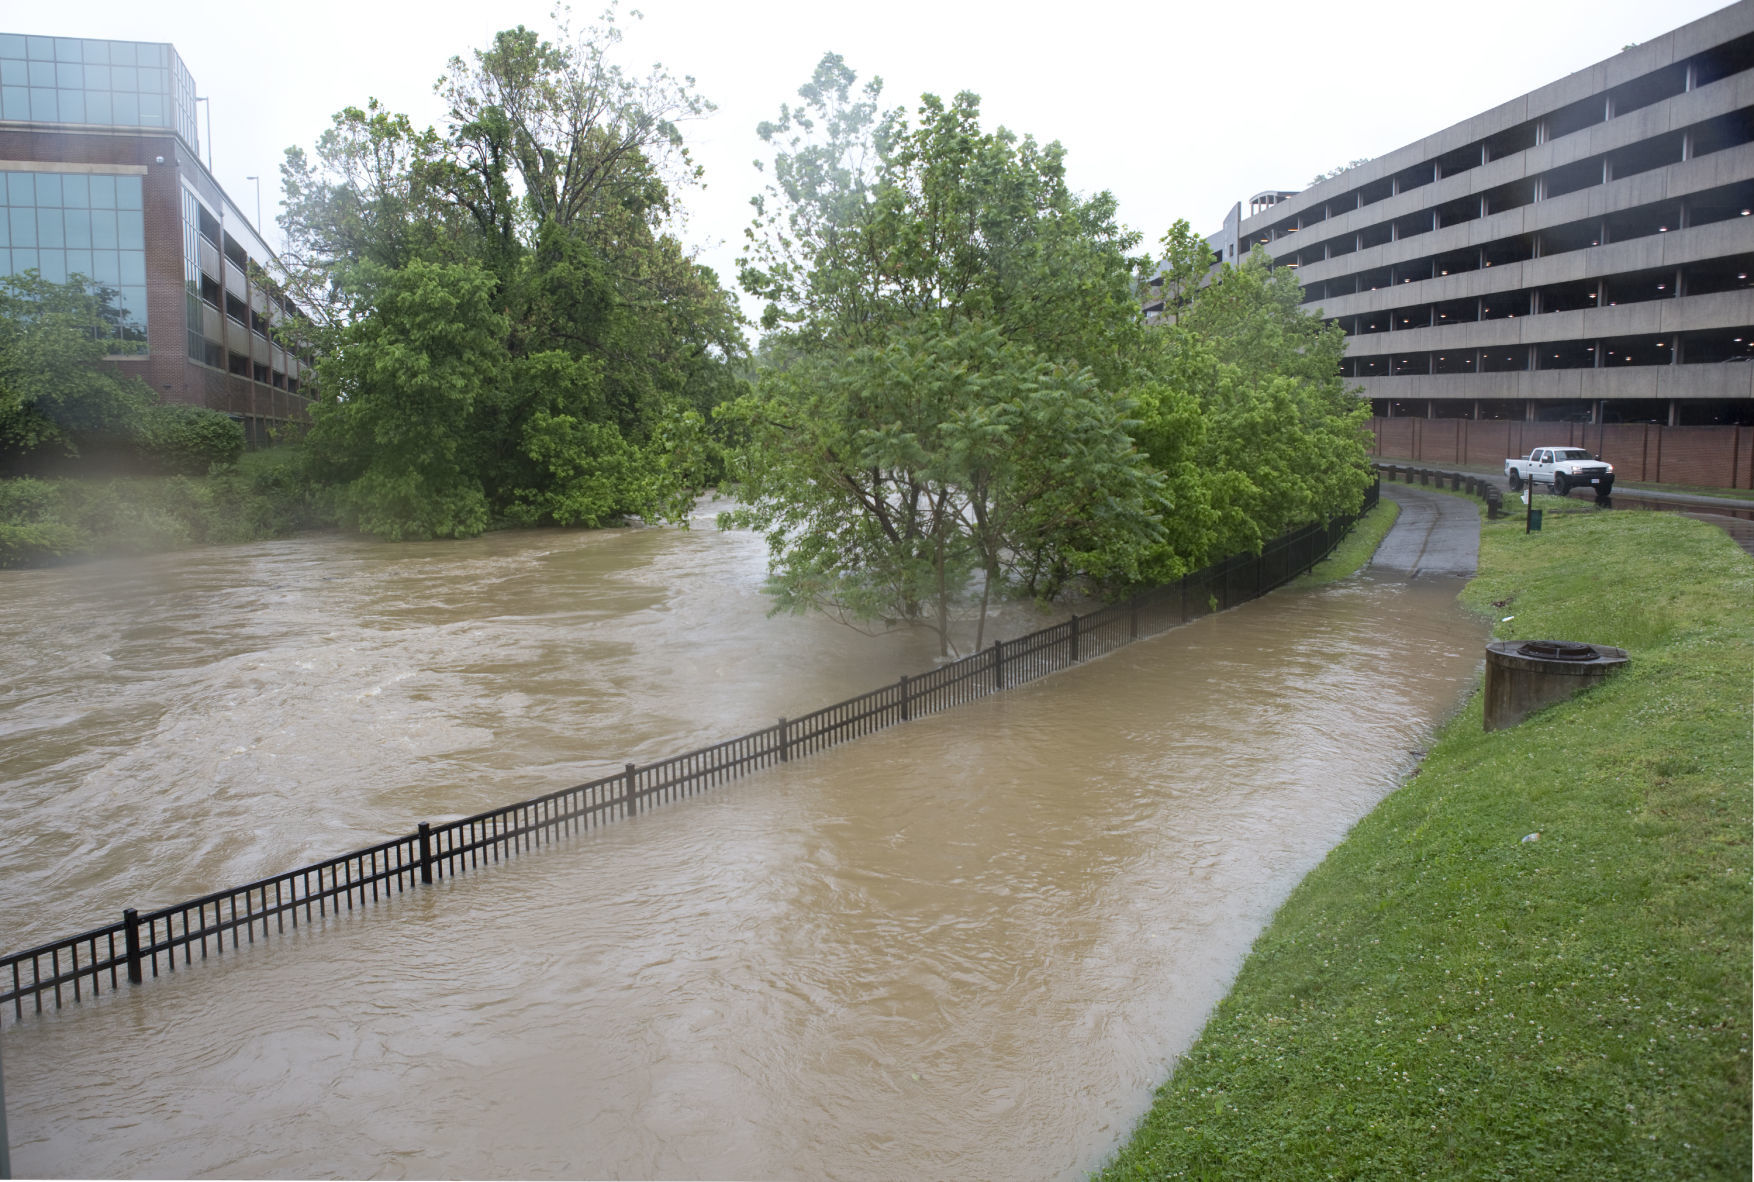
(1522, 676)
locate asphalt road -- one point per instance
(1434, 535)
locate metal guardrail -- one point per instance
(149, 944)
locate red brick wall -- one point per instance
(1721, 457)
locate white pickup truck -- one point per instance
(1565, 468)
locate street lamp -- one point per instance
(201, 98)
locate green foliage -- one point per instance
(1355, 549)
(947, 394)
(266, 495)
(1441, 998)
(514, 333)
(189, 440)
(1283, 441)
(30, 534)
(55, 393)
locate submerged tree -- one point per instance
(581, 344)
(947, 414)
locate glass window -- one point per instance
(42, 106)
(157, 81)
(78, 228)
(76, 191)
(122, 53)
(52, 265)
(21, 188)
(49, 228)
(152, 110)
(130, 230)
(133, 267)
(103, 192)
(69, 76)
(97, 77)
(103, 229)
(42, 73)
(5, 261)
(72, 104)
(15, 103)
(67, 49)
(97, 51)
(98, 108)
(49, 189)
(106, 267)
(127, 192)
(79, 263)
(24, 259)
(5, 233)
(14, 72)
(124, 108)
(11, 45)
(24, 227)
(40, 49)
(124, 78)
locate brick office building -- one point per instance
(101, 176)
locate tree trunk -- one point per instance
(980, 628)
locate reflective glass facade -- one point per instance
(88, 224)
(113, 83)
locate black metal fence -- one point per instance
(150, 944)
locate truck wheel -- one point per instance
(1560, 487)
(1516, 482)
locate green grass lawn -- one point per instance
(1354, 549)
(1449, 996)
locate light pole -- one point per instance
(204, 99)
(258, 181)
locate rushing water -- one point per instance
(967, 946)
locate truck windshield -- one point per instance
(1571, 453)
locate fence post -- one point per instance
(785, 743)
(1073, 659)
(426, 853)
(1184, 586)
(904, 697)
(998, 667)
(131, 932)
(629, 802)
(1133, 619)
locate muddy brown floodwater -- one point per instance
(967, 946)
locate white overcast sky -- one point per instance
(1180, 109)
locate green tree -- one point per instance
(391, 429)
(951, 328)
(56, 395)
(554, 185)
(1280, 440)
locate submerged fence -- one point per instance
(150, 944)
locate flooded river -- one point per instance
(967, 946)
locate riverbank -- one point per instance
(44, 522)
(1354, 549)
(1449, 994)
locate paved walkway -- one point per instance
(1435, 534)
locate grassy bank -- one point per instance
(60, 520)
(1354, 549)
(1449, 996)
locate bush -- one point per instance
(30, 534)
(268, 495)
(189, 440)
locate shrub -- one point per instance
(190, 440)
